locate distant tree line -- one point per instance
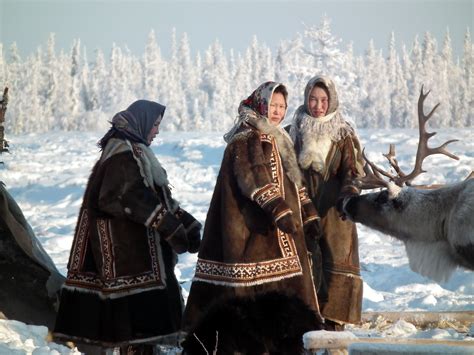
(67, 91)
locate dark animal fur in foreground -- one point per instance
(269, 323)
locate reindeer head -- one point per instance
(393, 199)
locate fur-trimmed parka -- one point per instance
(243, 252)
(121, 288)
(329, 156)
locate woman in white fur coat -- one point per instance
(329, 156)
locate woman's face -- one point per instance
(318, 102)
(277, 108)
(154, 130)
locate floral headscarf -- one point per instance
(255, 106)
(135, 123)
(260, 99)
(254, 111)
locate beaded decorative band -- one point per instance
(266, 194)
(304, 197)
(156, 217)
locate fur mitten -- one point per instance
(192, 227)
(309, 215)
(281, 214)
(172, 230)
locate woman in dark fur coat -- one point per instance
(329, 156)
(253, 238)
(121, 290)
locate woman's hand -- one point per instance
(193, 229)
(173, 231)
(281, 214)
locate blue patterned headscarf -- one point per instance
(135, 123)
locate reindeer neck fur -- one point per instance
(409, 213)
(433, 251)
(436, 225)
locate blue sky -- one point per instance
(100, 23)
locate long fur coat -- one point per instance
(120, 286)
(329, 155)
(243, 253)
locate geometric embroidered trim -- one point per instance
(304, 197)
(266, 194)
(246, 274)
(156, 217)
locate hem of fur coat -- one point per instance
(105, 344)
(344, 303)
(112, 295)
(248, 283)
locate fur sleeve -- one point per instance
(352, 166)
(249, 166)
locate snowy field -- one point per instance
(47, 174)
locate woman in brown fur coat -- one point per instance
(121, 290)
(329, 156)
(253, 238)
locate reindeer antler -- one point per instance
(423, 150)
(374, 174)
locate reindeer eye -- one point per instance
(397, 203)
(382, 198)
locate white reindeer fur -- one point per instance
(431, 223)
(432, 260)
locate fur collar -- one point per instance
(150, 168)
(316, 136)
(283, 140)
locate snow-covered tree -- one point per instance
(49, 89)
(114, 99)
(66, 91)
(325, 57)
(376, 105)
(323, 48)
(417, 69)
(76, 82)
(241, 87)
(444, 84)
(466, 108)
(3, 69)
(97, 78)
(397, 87)
(16, 121)
(153, 68)
(30, 107)
(215, 82)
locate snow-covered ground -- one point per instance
(47, 173)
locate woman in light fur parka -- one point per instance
(253, 239)
(121, 290)
(329, 155)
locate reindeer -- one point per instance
(435, 222)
